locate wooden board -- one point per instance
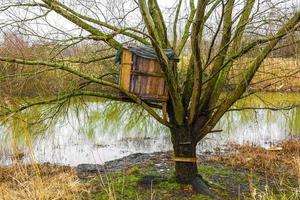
(148, 81)
(142, 77)
(126, 65)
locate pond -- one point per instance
(99, 131)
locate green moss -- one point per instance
(222, 179)
(169, 185)
(207, 170)
(134, 171)
(118, 185)
(201, 197)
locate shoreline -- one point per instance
(235, 175)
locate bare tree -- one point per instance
(215, 33)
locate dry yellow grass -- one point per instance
(283, 160)
(39, 182)
(275, 74)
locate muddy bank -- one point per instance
(162, 161)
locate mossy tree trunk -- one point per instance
(185, 170)
(185, 158)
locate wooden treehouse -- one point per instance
(140, 72)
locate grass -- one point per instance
(250, 173)
(283, 159)
(278, 169)
(227, 178)
(130, 186)
(29, 82)
(226, 183)
(30, 182)
(35, 181)
(269, 76)
(247, 172)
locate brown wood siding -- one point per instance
(143, 77)
(150, 80)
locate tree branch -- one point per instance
(92, 79)
(53, 5)
(165, 64)
(252, 69)
(122, 31)
(186, 32)
(175, 24)
(196, 55)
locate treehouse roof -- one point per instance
(145, 52)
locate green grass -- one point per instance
(126, 185)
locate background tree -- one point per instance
(209, 35)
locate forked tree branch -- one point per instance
(166, 65)
(54, 5)
(251, 71)
(123, 31)
(175, 24)
(196, 56)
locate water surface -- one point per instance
(97, 131)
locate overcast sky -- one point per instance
(59, 23)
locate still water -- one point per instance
(96, 132)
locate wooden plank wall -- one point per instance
(147, 79)
(143, 77)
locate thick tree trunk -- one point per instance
(185, 161)
(185, 170)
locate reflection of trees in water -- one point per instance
(129, 119)
(33, 122)
(125, 120)
(295, 121)
(116, 125)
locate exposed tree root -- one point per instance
(200, 186)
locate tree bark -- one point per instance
(185, 161)
(185, 171)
